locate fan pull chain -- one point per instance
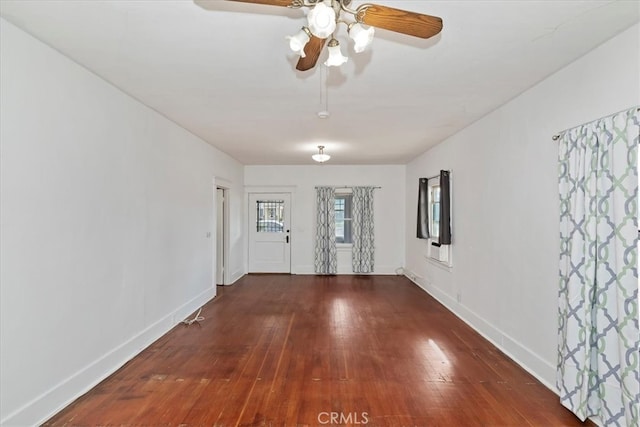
(324, 93)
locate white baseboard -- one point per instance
(384, 270)
(61, 395)
(528, 360)
(235, 276)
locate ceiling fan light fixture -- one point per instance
(336, 58)
(320, 157)
(322, 20)
(362, 35)
(299, 41)
(324, 17)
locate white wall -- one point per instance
(505, 202)
(388, 209)
(105, 206)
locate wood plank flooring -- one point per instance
(281, 350)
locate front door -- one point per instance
(269, 233)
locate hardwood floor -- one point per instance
(280, 350)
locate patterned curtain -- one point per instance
(326, 259)
(362, 251)
(598, 296)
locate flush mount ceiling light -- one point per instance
(325, 15)
(320, 157)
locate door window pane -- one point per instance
(270, 216)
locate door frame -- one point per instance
(225, 186)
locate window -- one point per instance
(343, 218)
(270, 216)
(441, 254)
(434, 211)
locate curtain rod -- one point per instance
(437, 176)
(343, 186)
(559, 134)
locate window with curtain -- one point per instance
(434, 216)
(345, 217)
(434, 208)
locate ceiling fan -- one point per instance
(325, 15)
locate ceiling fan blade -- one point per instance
(312, 51)
(400, 21)
(208, 4)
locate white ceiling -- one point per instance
(227, 74)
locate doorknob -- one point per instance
(287, 239)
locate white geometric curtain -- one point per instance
(326, 258)
(598, 336)
(362, 250)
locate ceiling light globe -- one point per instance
(322, 20)
(320, 157)
(362, 35)
(336, 58)
(299, 41)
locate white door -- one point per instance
(269, 233)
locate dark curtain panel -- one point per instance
(445, 209)
(423, 209)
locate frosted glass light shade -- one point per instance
(320, 157)
(336, 58)
(322, 20)
(362, 35)
(299, 41)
